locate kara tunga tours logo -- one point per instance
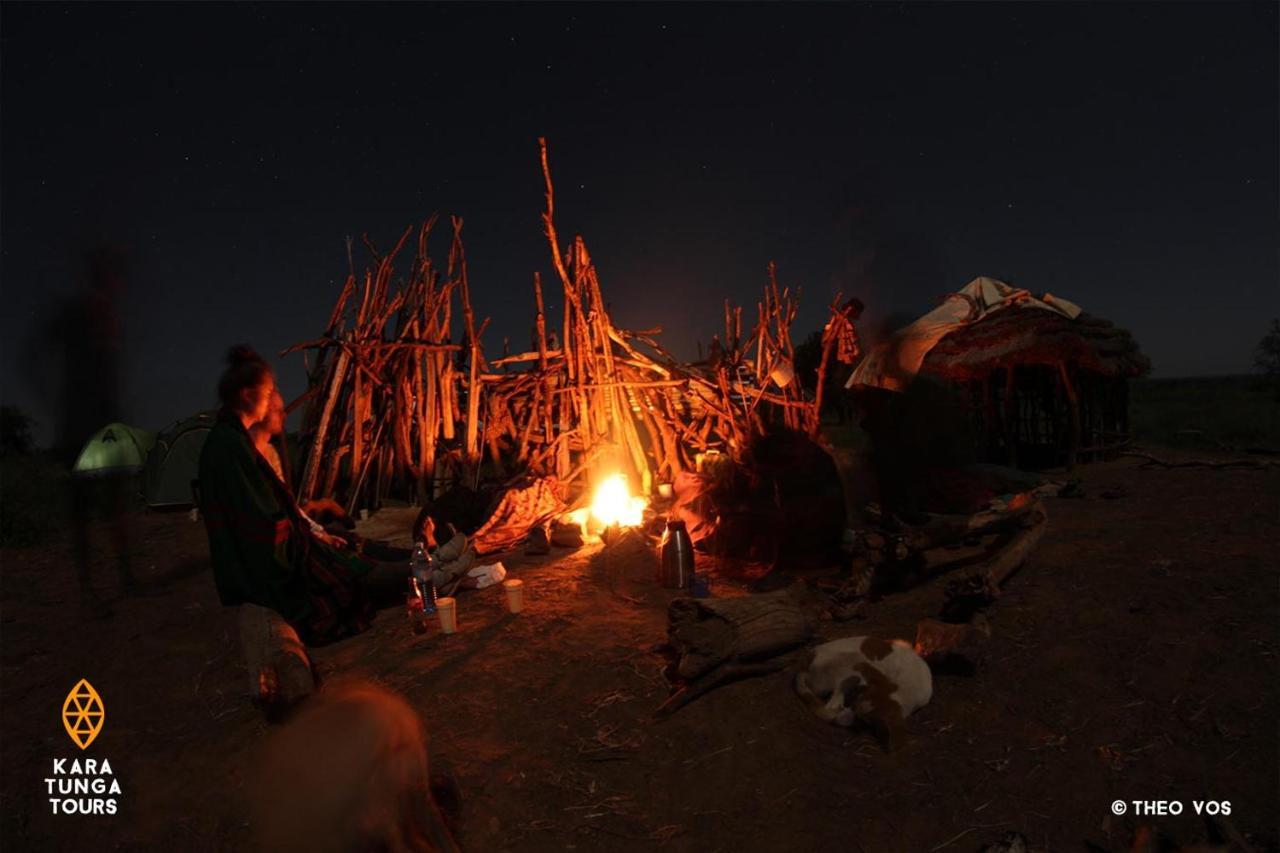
(83, 785)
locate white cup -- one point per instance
(447, 607)
(515, 594)
(364, 515)
(782, 374)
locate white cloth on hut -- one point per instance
(894, 363)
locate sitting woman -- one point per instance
(262, 434)
(264, 549)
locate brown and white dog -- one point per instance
(348, 773)
(868, 681)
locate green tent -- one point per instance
(175, 461)
(115, 449)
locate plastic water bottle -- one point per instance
(413, 603)
(420, 565)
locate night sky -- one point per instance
(1122, 156)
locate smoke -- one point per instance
(883, 326)
(891, 264)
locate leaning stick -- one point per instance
(312, 470)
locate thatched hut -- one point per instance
(1045, 383)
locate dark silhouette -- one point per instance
(919, 439)
(83, 343)
(15, 432)
(1266, 357)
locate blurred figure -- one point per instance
(919, 438)
(84, 340)
(349, 774)
(15, 432)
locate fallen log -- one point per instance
(968, 595)
(721, 676)
(712, 642)
(1201, 463)
(942, 530)
(280, 673)
(1010, 559)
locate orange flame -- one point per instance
(613, 503)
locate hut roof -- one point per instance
(989, 324)
(1021, 336)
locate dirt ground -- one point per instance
(1133, 658)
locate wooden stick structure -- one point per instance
(396, 404)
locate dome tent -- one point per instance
(175, 462)
(115, 449)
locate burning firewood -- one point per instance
(995, 543)
(397, 403)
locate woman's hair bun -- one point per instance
(243, 354)
(245, 368)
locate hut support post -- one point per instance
(1073, 403)
(1011, 416)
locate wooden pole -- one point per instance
(1073, 402)
(1010, 416)
(312, 470)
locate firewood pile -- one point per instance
(987, 547)
(394, 403)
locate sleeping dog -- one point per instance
(867, 681)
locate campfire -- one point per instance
(613, 505)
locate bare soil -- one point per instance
(1134, 657)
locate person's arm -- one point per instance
(318, 531)
(311, 522)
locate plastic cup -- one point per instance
(447, 607)
(515, 594)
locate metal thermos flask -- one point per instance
(677, 556)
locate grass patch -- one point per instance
(33, 499)
(1241, 412)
